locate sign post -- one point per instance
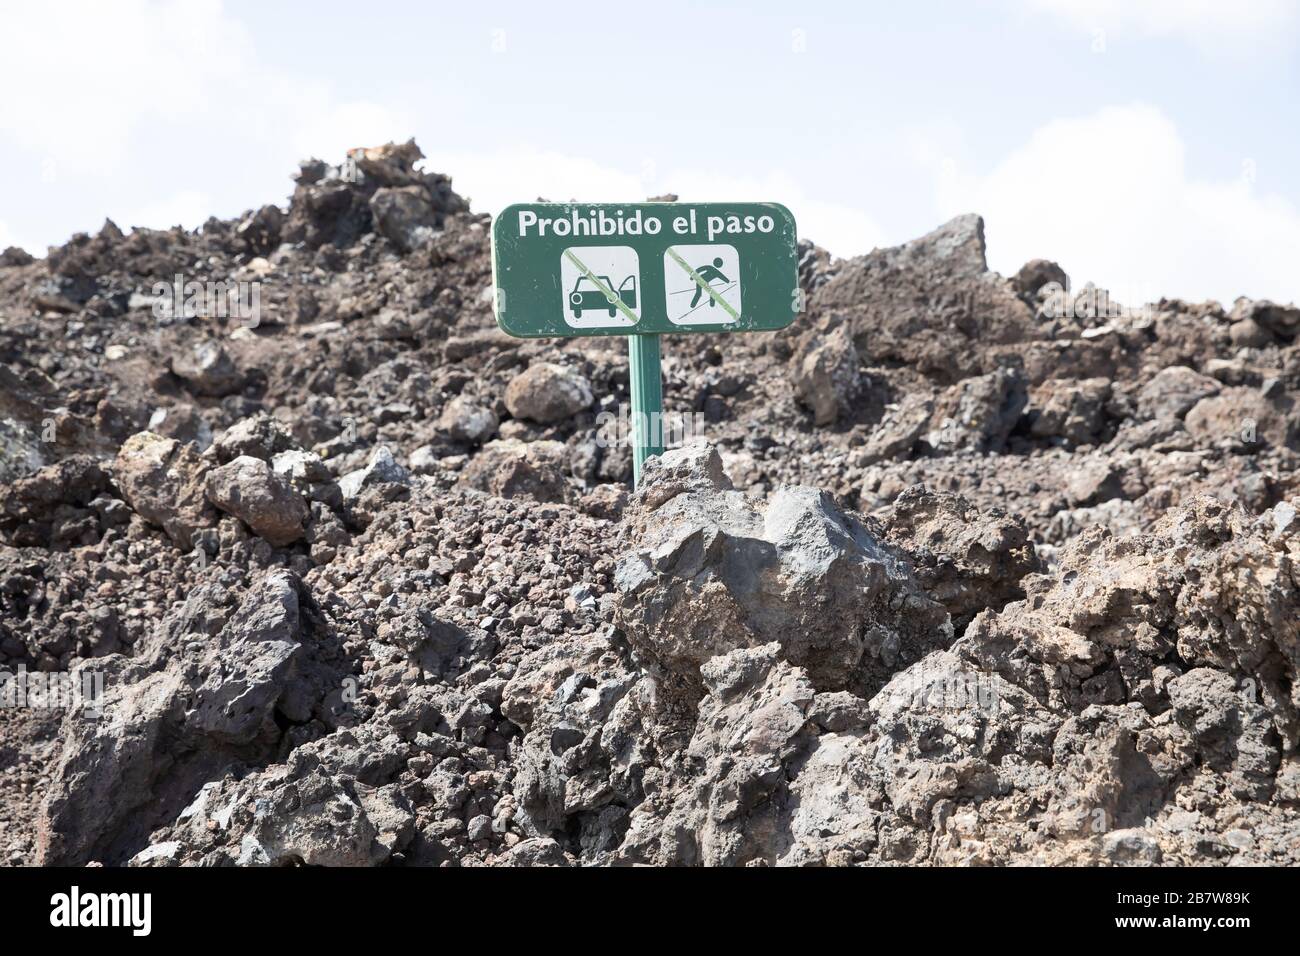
(647, 399)
(642, 270)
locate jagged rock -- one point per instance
(208, 370)
(825, 374)
(175, 723)
(247, 488)
(1094, 481)
(1035, 275)
(15, 256)
(966, 560)
(309, 476)
(51, 508)
(163, 481)
(405, 215)
(898, 430)
(695, 467)
(957, 247)
(465, 420)
(978, 414)
(943, 727)
(546, 393)
(183, 422)
(260, 230)
(1243, 419)
(752, 723)
(1173, 391)
(1102, 631)
(510, 468)
(1072, 410)
(929, 304)
(1234, 734)
(20, 451)
(711, 573)
(1282, 320)
(258, 436)
(379, 470)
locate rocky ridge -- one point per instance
(957, 577)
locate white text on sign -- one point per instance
(597, 222)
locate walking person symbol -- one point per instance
(708, 274)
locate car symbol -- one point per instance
(589, 299)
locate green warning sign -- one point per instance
(563, 269)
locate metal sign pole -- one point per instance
(647, 400)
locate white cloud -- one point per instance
(124, 82)
(494, 180)
(136, 99)
(9, 238)
(91, 74)
(842, 229)
(1108, 197)
(1231, 26)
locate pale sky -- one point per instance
(1151, 146)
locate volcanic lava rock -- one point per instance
(1037, 274)
(249, 489)
(258, 436)
(1173, 391)
(966, 560)
(163, 481)
(466, 420)
(546, 393)
(380, 469)
(711, 572)
(826, 374)
(1074, 411)
(222, 681)
(208, 370)
(405, 215)
(511, 468)
(978, 413)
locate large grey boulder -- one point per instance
(1173, 391)
(712, 572)
(212, 691)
